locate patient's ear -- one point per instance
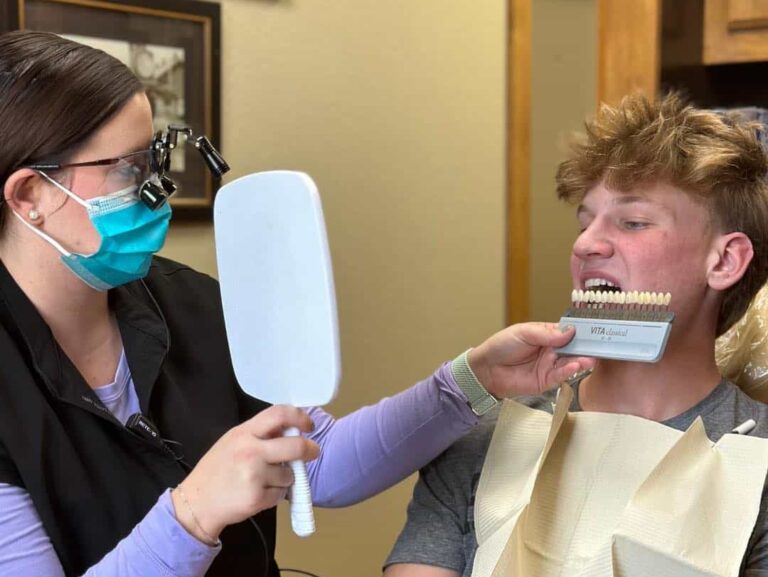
(729, 259)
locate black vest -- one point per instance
(91, 479)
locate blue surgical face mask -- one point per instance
(130, 233)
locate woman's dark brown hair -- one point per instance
(54, 94)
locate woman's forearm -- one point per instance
(374, 447)
(158, 545)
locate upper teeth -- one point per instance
(595, 282)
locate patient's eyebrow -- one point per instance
(632, 199)
(621, 200)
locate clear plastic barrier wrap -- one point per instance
(742, 352)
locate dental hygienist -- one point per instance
(103, 344)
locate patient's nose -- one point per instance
(593, 242)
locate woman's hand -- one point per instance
(520, 360)
(243, 473)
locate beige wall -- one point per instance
(397, 110)
(564, 80)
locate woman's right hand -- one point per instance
(521, 360)
(243, 473)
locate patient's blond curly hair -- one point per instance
(716, 157)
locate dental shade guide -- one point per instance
(626, 326)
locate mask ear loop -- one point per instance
(42, 235)
(39, 232)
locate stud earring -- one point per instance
(33, 214)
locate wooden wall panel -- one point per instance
(629, 48)
(519, 160)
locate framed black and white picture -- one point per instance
(172, 46)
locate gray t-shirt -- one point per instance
(440, 530)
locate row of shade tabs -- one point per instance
(590, 298)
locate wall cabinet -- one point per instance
(715, 51)
(735, 31)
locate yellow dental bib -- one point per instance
(600, 495)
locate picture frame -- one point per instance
(173, 46)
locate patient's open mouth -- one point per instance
(602, 285)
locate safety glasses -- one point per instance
(121, 172)
(146, 169)
(143, 170)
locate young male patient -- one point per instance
(669, 198)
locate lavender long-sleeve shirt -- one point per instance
(361, 454)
